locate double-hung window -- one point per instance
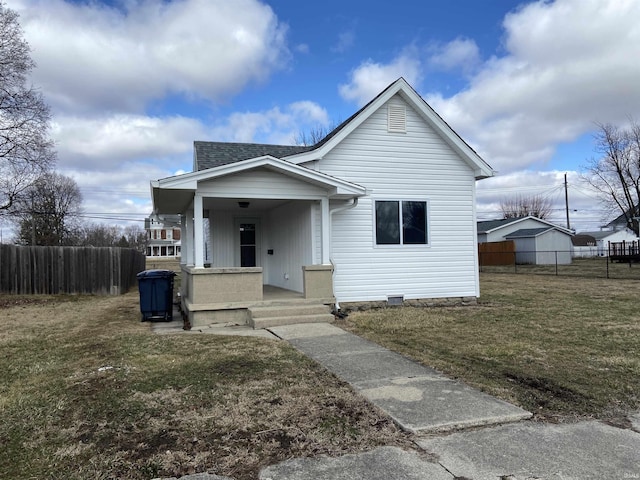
(401, 222)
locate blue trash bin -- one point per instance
(156, 294)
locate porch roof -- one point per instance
(173, 195)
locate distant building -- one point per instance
(596, 244)
(164, 237)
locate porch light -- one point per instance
(243, 204)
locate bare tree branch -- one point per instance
(26, 151)
(615, 174)
(524, 205)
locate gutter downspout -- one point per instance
(331, 212)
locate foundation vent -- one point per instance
(395, 300)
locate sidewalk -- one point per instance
(418, 398)
(441, 413)
(429, 404)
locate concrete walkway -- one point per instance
(425, 402)
(436, 409)
(418, 398)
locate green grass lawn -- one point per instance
(560, 347)
(87, 391)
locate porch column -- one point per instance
(184, 240)
(326, 229)
(198, 232)
(187, 248)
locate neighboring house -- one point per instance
(536, 240)
(164, 237)
(620, 222)
(381, 210)
(596, 244)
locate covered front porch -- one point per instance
(252, 229)
(233, 294)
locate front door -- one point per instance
(248, 242)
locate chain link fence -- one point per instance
(560, 263)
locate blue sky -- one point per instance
(132, 83)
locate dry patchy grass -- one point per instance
(560, 347)
(87, 391)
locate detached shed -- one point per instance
(542, 246)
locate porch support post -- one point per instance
(326, 230)
(184, 240)
(198, 231)
(187, 248)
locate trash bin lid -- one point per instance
(156, 273)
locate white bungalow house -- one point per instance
(382, 210)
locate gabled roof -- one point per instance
(213, 154)
(481, 168)
(183, 187)
(488, 226)
(529, 232)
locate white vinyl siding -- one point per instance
(290, 239)
(260, 183)
(413, 166)
(221, 235)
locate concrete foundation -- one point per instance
(418, 302)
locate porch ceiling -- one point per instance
(171, 201)
(231, 204)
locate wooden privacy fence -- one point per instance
(497, 253)
(55, 270)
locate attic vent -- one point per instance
(397, 118)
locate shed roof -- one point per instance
(488, 225)
(529, 232)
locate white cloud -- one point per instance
(461, 53)
(585, 211)
(302, 48)
(370, 78)
(109, 142)
(346, 40)
(277, 126)
(92, 56)
(568, 64)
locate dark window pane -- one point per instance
(414, 223)
(248, 256)
(387, 223)
(247, 234)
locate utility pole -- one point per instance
(566, 200)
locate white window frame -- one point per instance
(402, 245)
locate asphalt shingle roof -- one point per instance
(599, 235)
(488, 225)
(214, 154)
(528, 232)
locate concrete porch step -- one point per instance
(273, 316)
